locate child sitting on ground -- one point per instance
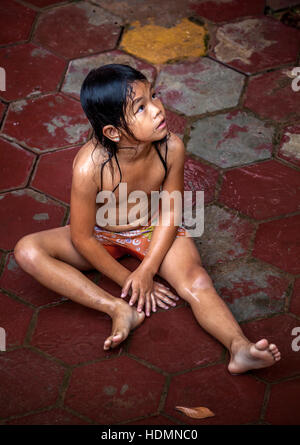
(132, 139)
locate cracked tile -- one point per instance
(255, 44)
(232, 240)
(289, 148)
(118, 386)
(16, 21)
(231, 139)
(271, 96)
(199, 87)
(250, 289)
(274, 190)
(48, 122)
(278, 243)
(30, 70)
(17, 210)
(77, 29)
(16, 165)
(78, 69)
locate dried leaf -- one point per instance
(199, 412)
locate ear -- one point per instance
(111, 133)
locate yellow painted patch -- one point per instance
(157, 44)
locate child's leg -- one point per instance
(182, 268)
(51, 258)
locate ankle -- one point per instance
(237, 341)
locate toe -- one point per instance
(273, 348)
(107, 343)
(262, 344)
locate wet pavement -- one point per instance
(225, 72)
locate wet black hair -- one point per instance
(105, 93)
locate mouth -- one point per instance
(162, 124)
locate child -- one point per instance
(131, 138)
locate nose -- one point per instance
(155, 110)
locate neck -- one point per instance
(133, 152)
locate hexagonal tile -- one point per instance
(17, 164)
(295, 300)
(78, 69)
(276, 330)
(44, 3)
(274, 190)
(176, 123)
(164, 13)
(20, 283)
(58, 165)
(26, 211)
(283, 406)
(77, 29)
(278, 242)
(158, 44)
(31, 70)
(15, 319)
(234, 400)
(271, 96)
(47, 122)
(216, 11)
(200, 176)
(192, 346)
(281, 4)
(73, 333)
(15, 22)
(20, 392)
(231, 139)
(2, 110)
(116, 390)
(233, 240)
(199, 87)
(256, 44)
(250, 289)
(56, 416)
(289, 148)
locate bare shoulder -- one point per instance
(176, 148)
(86, 162)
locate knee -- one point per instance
(195, 280)
(26, 253)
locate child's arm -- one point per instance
(163, 236)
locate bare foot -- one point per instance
(125, 319)
(246, 355)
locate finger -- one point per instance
(161, 304)
(148, 304)
(169, 293)
(165, 298)
(125, 288)
(134, 296)
(141, 302)
(153, 300)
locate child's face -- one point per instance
(146, 114)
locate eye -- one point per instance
(141, 108)
(154, 95)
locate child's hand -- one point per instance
(137, 286)
(162, 296)
(141, 283)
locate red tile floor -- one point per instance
(53, 369)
